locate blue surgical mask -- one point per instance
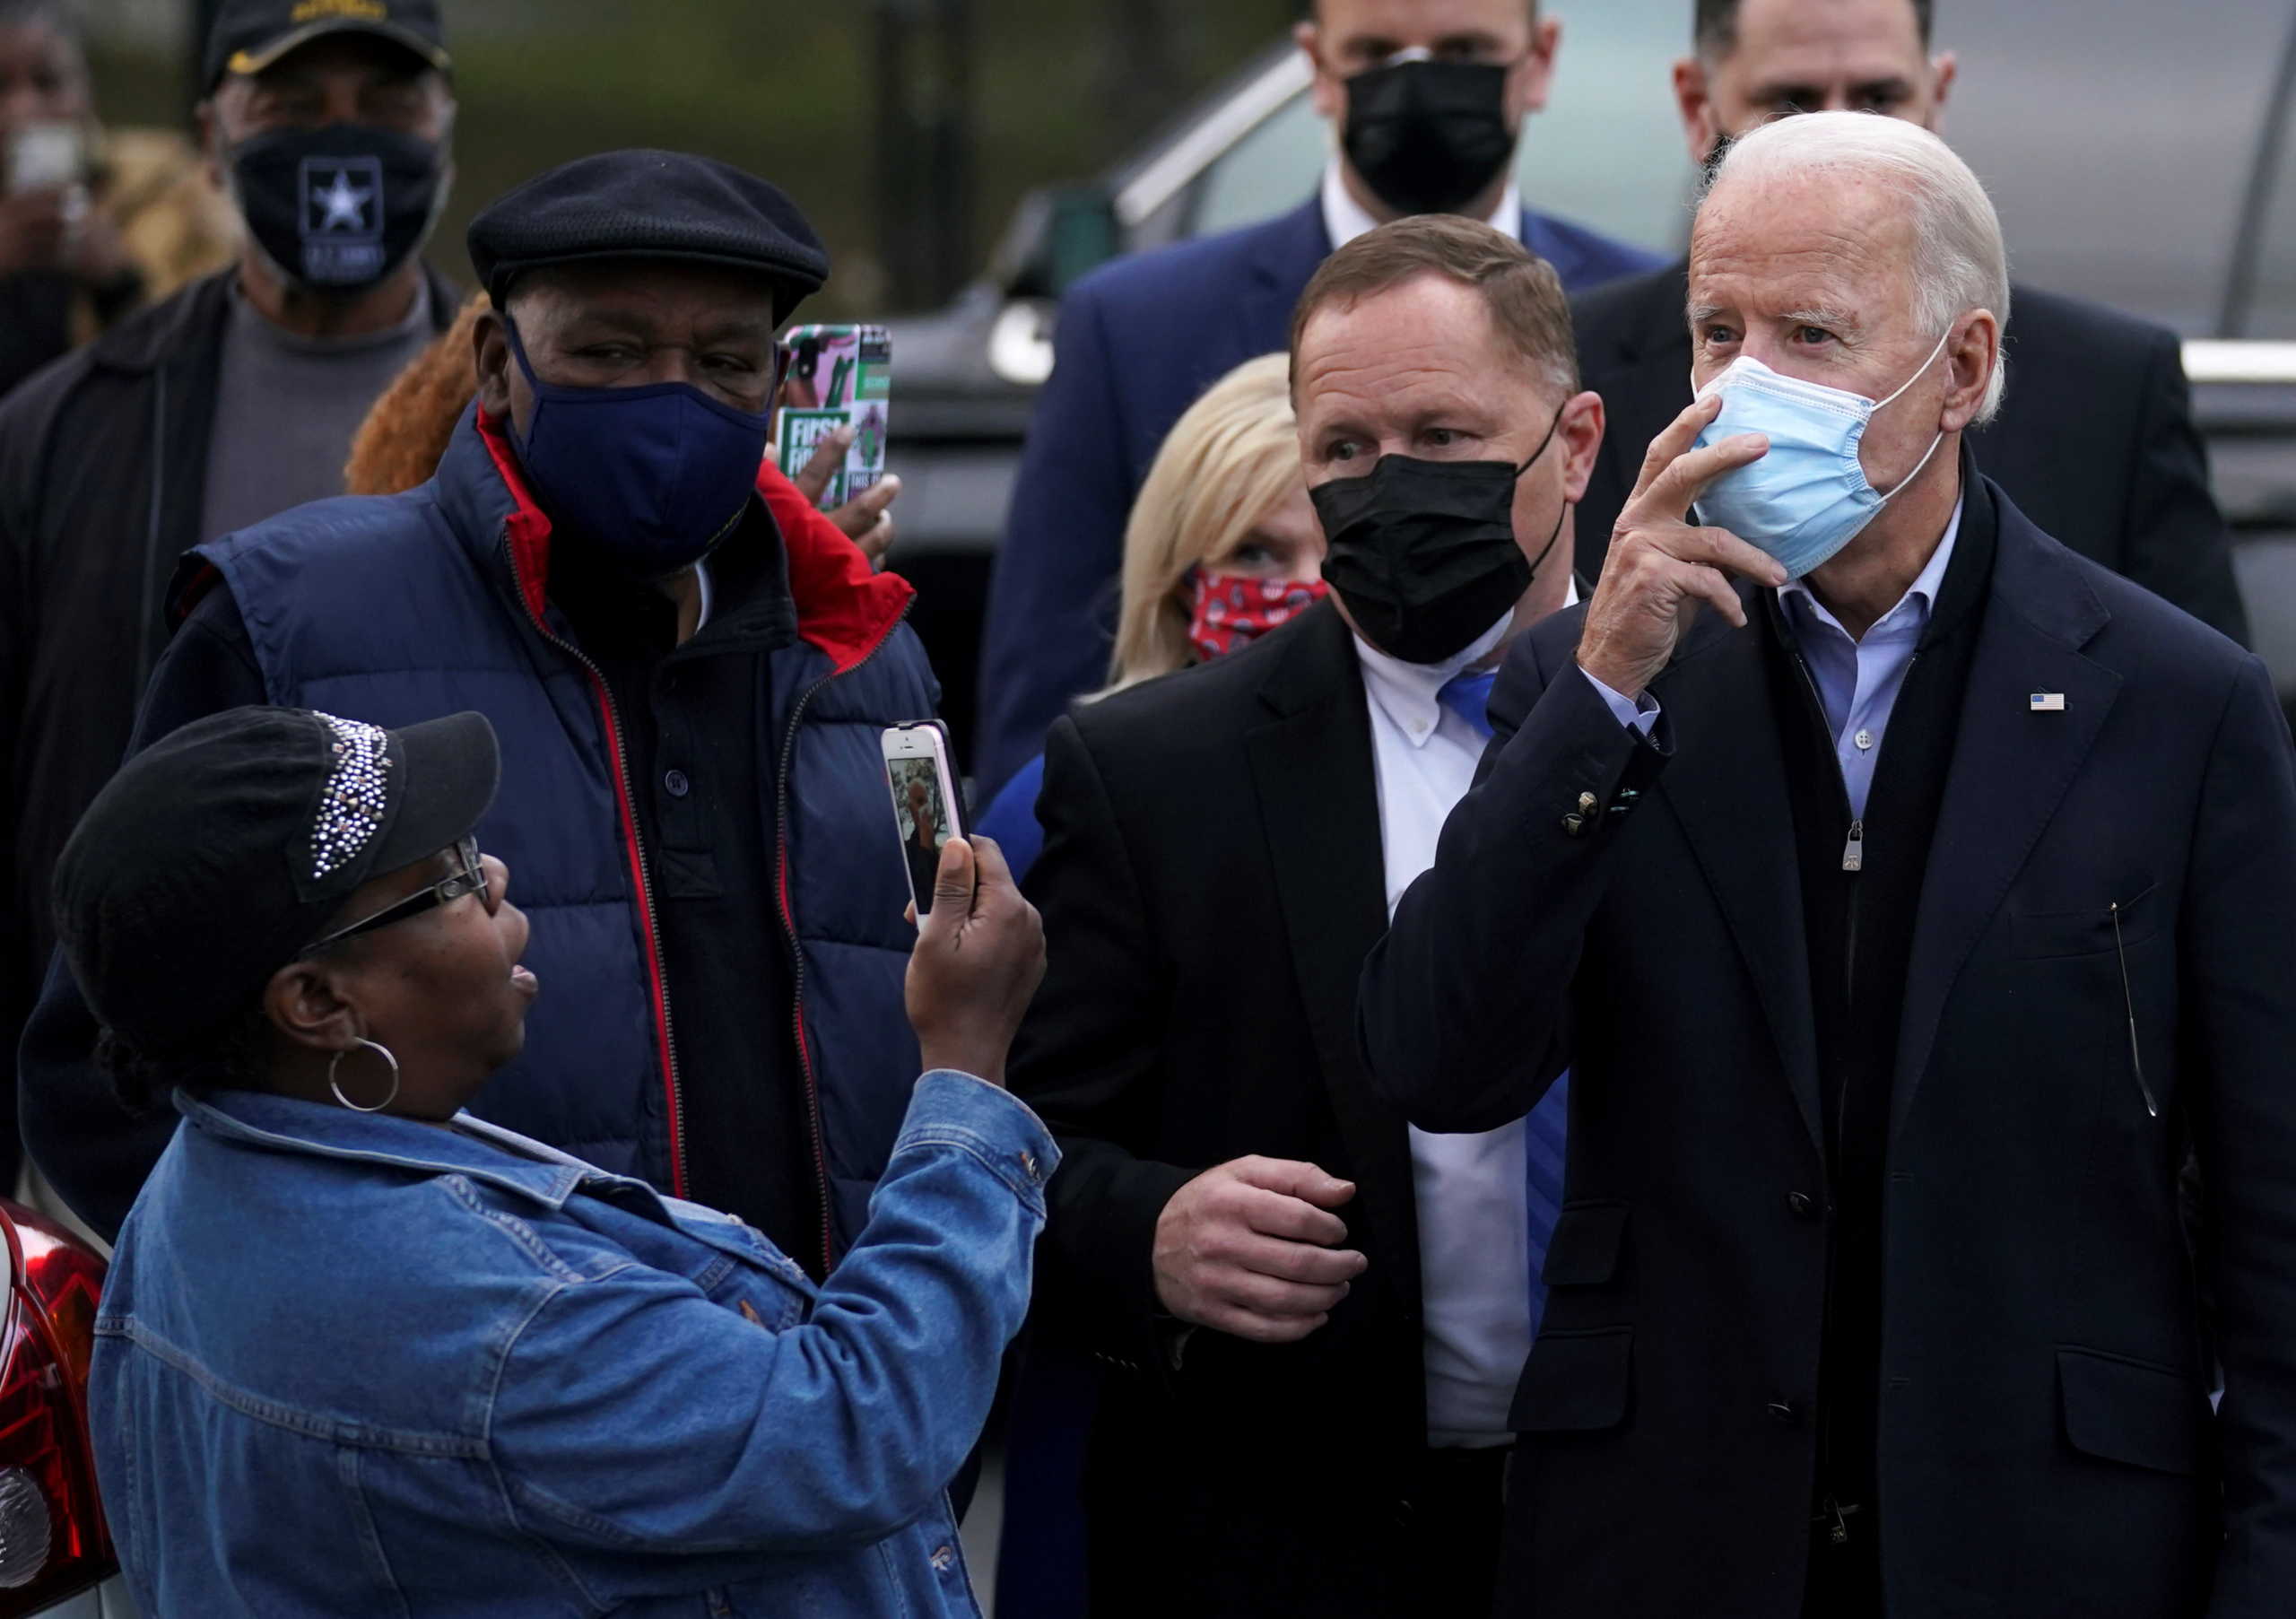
(652, 478)
(1809, 496)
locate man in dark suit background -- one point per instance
(1901, 923)
(2095, 441)
(1313, 1316)
(1140, 339)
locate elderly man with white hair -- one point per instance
(1919, 891)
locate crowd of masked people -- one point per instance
(1622, 952)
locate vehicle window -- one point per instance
(2265, 306)
(2117, 145)
(1271, 169)
(2116, 150)
(1600, 155)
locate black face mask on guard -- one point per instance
(1427, 138)
(339, 208)
(1423, 553)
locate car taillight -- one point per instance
(52, 1536)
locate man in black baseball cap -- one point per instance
(327, 122)
(250, 35)
(689, 667)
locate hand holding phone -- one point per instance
(979, 960)
(926, 810)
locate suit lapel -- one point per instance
(1312, 766)
(1642, 372)
(1727, 788)
(1568, 258)
(2010, 772)
(1657, 357)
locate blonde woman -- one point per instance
(1222, 547)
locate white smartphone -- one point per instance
(44, 157)
(927, 808)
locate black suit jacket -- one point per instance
(2046, 1445)
(2095, 439)
(1212, 877)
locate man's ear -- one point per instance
(1972, 352)
(1326, 92)
(305, 1003)
(1943, 69)
(1581, 433)
(490, 357)
(1694, 101)
(1534, 76)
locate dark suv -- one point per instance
(2138, 157)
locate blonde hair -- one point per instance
(1233, 454)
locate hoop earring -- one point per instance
(336, 1086)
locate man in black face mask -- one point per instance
(326, 122)
(2089, 387)
(1428, 99)
(1258, 1245)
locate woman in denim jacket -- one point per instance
(361, 1353)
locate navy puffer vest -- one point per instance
(401, 609)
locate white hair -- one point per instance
(1960, 261)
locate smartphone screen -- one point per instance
(834, 377)
(925, 804)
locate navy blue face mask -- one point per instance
(651, 478)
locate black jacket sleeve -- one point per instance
(1087, 1059)
(94, 1151)
(2177, 543)
(1464, 1010)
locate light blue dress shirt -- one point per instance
(1857, 682)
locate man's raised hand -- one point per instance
(1661, 567)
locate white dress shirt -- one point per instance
(1474, 1220)
(1344, 218)
(1858, 680)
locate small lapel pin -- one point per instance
(2047, 702)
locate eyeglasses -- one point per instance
(470, 879)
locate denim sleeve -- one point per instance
(634, 1414)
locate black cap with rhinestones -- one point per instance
(221, 850)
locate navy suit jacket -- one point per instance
(2046, 1444)
(1138, 341)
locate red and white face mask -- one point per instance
(1229, 609)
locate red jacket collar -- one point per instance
(844, 608)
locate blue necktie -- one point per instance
(1469, 697)
(1543, 1145)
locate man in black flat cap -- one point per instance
(327, 123)
(689, 668)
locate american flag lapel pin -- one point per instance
(2047, 702)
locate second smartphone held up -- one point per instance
(927, 809)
